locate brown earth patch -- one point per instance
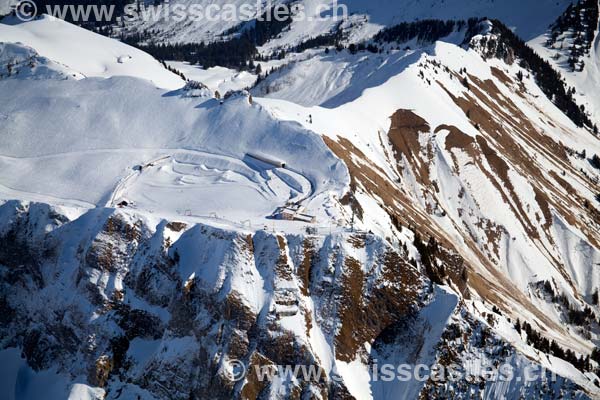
(457, 139)
(254, 386)
(404, 136)
(235, 310)
(542, 199)
(563, 183)
(308, 322)
(102, 371)
(358, 241)
(501, 76)
(248, 244)
(349, 337)
(305, 268)
(493, 234)
(365, 312)
(176, 226)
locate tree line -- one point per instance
(507, 43)
(580, 21)
(238, 52)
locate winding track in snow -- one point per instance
(293, 179)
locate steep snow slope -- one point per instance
(456, 153)
(85, 53)
(139, 307)
(450, 194)
(586, 77)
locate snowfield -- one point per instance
(92, 131)
(200, 184)
(219, 79)
(207, 172)
(140, 254)
(84, 53)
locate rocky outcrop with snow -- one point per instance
(429, 195)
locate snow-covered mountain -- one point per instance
(572, 46)
(84, 53)
(380, 192)
(528, 18)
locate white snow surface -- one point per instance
(355, 100)
(86, 53)
(102, 138)
(219, 79)
(201, 147)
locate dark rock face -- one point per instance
(125, 287)
(111, 299)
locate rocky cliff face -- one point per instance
(167, 309)
(453, 176)
(128, 305)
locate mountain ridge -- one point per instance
(455, 200)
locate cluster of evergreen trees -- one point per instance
(575, 316)
(423, 31)
(541, 343)
(330, 39)
(239, 52)
(174, 70)
(234, 53)
(580, 21)
(269, 25)
(427, 252)
(427, 31)
(547, 78)
(452, 266)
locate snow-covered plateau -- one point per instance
(392, 189)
